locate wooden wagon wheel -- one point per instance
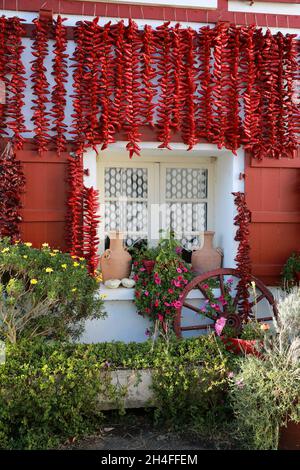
(231, 311)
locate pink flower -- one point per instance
(177, 304)
(146, 293)
(142, 269)
(205, 286)
(179, 270)
(160, 317)
(156, 303)
(184, 269)
(176, 283)
(157, 280)
(135, 277)
(185, 281)
(219, 325)
(179, 278)
(171, 291)
(178, 250)
(203, 309)
(147, 310)
(230, 280)
(167, 304)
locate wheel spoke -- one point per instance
(192, 307)
(258, 299)
(196, 327)
(203, 291)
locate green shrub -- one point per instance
(49, 390)
(44, 293)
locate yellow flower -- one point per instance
(73, 256)
(74, 289)
(52, 254)
(17, 242)
(265, 327)
(28, 244)
(82, 266)
(45, 245)
(64, 266)
(33, 281)
(81, 259)
(55, 251)
(5, 250)
(49, 270)
(99, 278)
(76, 264)
(103, 296)
(25, 256)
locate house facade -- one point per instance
(151, 172)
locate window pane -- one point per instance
(121, 213)
(186, 183)
(187, 220)
(126, 182)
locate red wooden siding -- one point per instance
(273, 196)
(44, 202)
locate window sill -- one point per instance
(123, 293)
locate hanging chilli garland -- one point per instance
(12, 184)
(90, 228)
(75, 206)
(226, 85)
(40, 84)
(243, 262)
(59, 90)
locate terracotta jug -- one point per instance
(115, 262)
(207, 258)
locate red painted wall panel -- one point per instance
(44, 202)
(273, 196)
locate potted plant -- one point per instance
(248, 341)
(264, 394)
(157, 294)
(291, 271)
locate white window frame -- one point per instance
(156, 186)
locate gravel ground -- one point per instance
(140, 434)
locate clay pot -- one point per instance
(115, 262)
(289, 437)
(207, 258)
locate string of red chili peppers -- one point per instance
(243, 262)
(79, 86)
(148, 76)
(40, 85)
(164, 67)
(90, 228)
(204, 119)
(75, 206)
(189, 134)
(132, 95)
(60, 74)
(3, 68)
(17, 84)
(107, 88)
(12, 184)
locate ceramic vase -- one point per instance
(115, 262)
(207, 258)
